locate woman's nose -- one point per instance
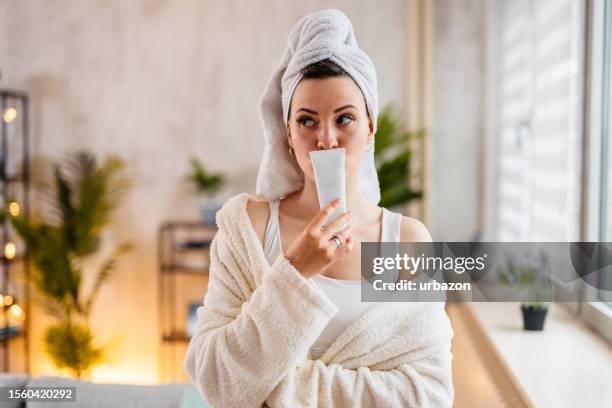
(327, 140)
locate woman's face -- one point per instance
(325, 114)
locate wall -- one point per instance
(156, 82)
(455, 154)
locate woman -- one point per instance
(282, 322)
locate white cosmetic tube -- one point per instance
(328, 166)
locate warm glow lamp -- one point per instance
(14, 208)
(10, 250)
(9, 115)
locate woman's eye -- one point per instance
(344, 120)
(306, 121)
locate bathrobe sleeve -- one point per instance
(247, 339)
(424, 383)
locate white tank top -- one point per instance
(345, 294)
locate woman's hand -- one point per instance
(314, 249)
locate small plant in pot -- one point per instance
(534, 315)
(534, 287)
(208, 185)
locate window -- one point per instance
(538, 120)
(543, 168)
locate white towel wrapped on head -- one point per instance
(325, 34)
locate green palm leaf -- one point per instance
(393, 158)
(81, 197)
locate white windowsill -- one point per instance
(565, 365)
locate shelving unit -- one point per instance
(14, 199)
(184, 257)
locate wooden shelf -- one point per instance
(177, 269)
(189, 224)
(183, 249)
(187, 246)
(12, 178)
(16, 258)
(14, 93)
(176, 337)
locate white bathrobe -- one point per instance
(258, 322)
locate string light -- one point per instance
(10, 250)
(9, 115)
(14, 208)
(16, 312)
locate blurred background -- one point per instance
(127, 124)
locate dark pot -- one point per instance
(533, 319)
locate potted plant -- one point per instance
(532, 286)
(207, 184)
(80, 199)
(393, 157)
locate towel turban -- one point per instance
(325, 34)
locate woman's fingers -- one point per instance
(312, 251)
(319, 220)
(336, 225)
(345, 236)
(347, 247)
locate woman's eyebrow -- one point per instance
(316, 113)
(307, 110)
(344, 107)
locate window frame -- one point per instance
(598, 110)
